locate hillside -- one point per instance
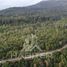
(50, 37)
(48, 8)
(34, 36)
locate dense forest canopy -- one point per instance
(51, 35)
(43, 25)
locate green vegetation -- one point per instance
(51, 35)
(34, 30)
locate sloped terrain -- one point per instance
(48, 8)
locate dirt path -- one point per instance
(33, 56)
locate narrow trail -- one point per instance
(32, 56)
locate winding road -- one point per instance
(32, 56)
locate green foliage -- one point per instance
(51, 35)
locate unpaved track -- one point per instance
(32, 56)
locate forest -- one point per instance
(49, 34)
(34, 36)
